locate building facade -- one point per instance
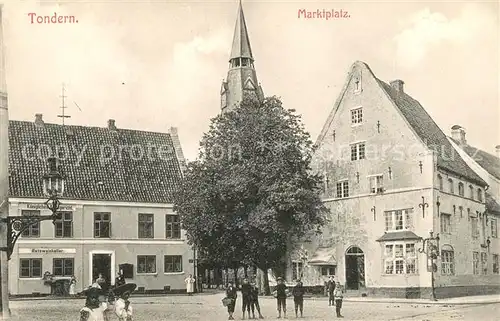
(117, 208)
(391, 178)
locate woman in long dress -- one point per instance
(94, 308)
(123, 308)
(189, 284)
(72, 285)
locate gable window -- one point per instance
(474, 227)
(64, 225)
(447, 260)
(328, 270)
(495, 263)
(376, 184)
(173, 263)
(146, 226)
(493, 226)
(440, 182)
(475, 262)
(399, 220)
(471, 191)
(34, 229)
(146, 264)
(357, 151)
(445, 223)
(450, 184)
(484, 263)
(173, 227)
(102, 224)
(63, 267)
(400, 258)
(357, 116)
(479, 195)
(297, 270)
(343, 189)
(30, 268)
(461, 189)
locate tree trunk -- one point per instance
(227, 276)
(245, 270)
(267, 289)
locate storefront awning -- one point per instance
(323, 256)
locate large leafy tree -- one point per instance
(252, 191)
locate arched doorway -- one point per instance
(354, 268)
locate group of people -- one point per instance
(250, 298)
(99, 303)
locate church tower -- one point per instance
(241, 78)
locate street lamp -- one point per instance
(430, 247)
(53, 188)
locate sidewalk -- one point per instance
(479, 299)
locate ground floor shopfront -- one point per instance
(155, 266)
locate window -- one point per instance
(30, 268)
(471, 191)
(475, 262)
(146, 264)
(63, 267)
(450, 183)
(357, 151)
(173, 227)
(328, 270)
(357, 116)
(479, 195)
(34, 229)
(296, 270)
(146, 226)
(102, 225)
(461, 189)
(376, 184)
(493, 226)
(343, 189)
(484, 263)
(440, 182)
(447, 260)
(64, 226)
(400, 258)
(445, 223)
(495, 263)
(399, 220)
(173, 263)
(474, 227)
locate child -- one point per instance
(231, 294)
(281, 293)
(93, 309)
(72, 286)
(298, 298)
(254, 298)
(123, 309)
(339, 295)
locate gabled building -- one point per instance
(392, 177)
(117, 207)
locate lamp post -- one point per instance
(53, 188)
(430, 247)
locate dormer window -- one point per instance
(245, 62)
(479, 195)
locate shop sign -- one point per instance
(42, 206)
(46, 251)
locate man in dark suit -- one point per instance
(331, 288)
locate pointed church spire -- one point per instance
(241, 43)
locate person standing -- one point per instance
(123, 308)
(245, 297)
(72, 285)
(254, 298)
(120, 279)
(93, 309)
(298, 298)
(190, 284)
(232, 295)
(281, 294)
(331, 288)
(339, 296)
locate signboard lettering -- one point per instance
(46, 251)
(37, 206)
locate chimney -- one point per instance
(458, 134)
(39, 120)
(497, 149)
(398, 85)
(111, 124)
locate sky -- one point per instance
(151, 65)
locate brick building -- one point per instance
(117, 207)
(391, 177)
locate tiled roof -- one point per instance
(99, 163)
(430, 133)
(491, 204)
(489, 162)
(399, 236)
